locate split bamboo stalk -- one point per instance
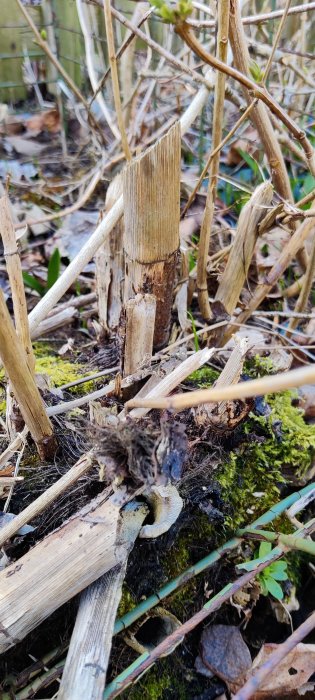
(23, 384)
(288, 254)
(151, 207)
(85, 671)
(241, 254)
(14, 268)
(109, 261)
(140, 322)
(217, 128)
(60, 566)
(115, 81)
(47, 498)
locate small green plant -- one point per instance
(193, 325)
(256, 72)
(53, 273)
(269, 577)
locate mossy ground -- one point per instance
(59, 371)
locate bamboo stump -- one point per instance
(151, 188)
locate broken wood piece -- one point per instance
(45, 499)
(23, 385)
(140, 320)
(164, 386)
(85, 671)
(222, 414)
(60, 566)
(109, 262)
(151, 186)
(57, 320)
(241, 254)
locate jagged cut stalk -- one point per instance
(217, 127)
(109, 262)
(151, 185)
(140, 322)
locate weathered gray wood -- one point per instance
(85, 671)
(60, 566)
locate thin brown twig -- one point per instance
(183, 29)
(275, 658)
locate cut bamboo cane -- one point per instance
(109, 262)
(14, 268)
(140, 321)
(217, 127)
(47, 498)
(60, 566)
(240, 257)
(151, 206)
(23, 385)
(85, 671)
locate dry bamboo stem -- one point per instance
(23, 384)
(115, 81)
(305, 289)
(89, 54)
(183, 29)
(259, 115)
(241, 254)
(151, 208)
(70, 274)
(263, 17)
(288, 254)
(172, 380)
(127, 62)
(140, 322)
(217, 128)
(84, 675)
(14, 268)
(197, 103)
(60, 566)
(265, 385)
(109, 261)
(49, 496)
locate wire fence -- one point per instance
(64, 34)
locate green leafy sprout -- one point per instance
(53, 273)
(173, 14)
(269, 577)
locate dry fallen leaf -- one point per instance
(291, 674)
